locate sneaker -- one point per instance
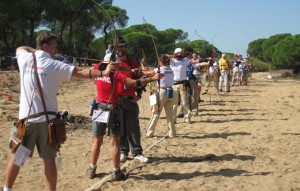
(200, 100)
(141, 158)
(118, 175)
(220, 90)
(205, 92)
(180, 115)
(228, 91)
(187, 121)
(149, 136)
(91, 172)
(123, 157)
(195, 114)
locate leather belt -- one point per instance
(125, 96)
(164, 88)
(179, 82)
(41, 114)
(106, 106)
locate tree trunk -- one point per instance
(5, 35)
(105, 34)
(23, 36)
(12, 48)
(62, 30)
(31, 42)
(70, 39)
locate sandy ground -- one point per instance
(244, 140)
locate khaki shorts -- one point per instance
(37, 134)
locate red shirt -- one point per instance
(103, 87)
(129, 91)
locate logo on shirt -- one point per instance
(104, 79)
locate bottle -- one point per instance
(92, 107)
(169, 93)
(59, 162)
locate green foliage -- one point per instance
(75, 22)
(259, 65)
(230, 56)
(296, 70)
(16, 21)
(138, 37)
(140, 40)
(268, 45)
(255, 49)
(287, 75)
(287, 52)
(98, 48)
(280, 51)
(202, 47)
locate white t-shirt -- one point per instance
(242, 66)
(235, 67)
(179, 68)
(168, 79)
(197, 71)
(214, 68)
(51, 72)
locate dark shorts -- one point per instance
(115, 128)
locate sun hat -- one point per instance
(121, 42)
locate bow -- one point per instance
(145, 58)
(113, 55)
(155, 48)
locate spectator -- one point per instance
(109, 49)
(224, 70)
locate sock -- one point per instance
(6, 189)
(116, 169)
(93, 166)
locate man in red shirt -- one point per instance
(108, 103)
(130, 108)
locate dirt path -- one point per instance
(244, 140)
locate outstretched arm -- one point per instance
(91, 73)
(27, 48)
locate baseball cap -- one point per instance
(177, 50)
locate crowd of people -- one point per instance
(119, 81)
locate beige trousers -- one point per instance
(213, 77)
(166, 103)
(179, 89)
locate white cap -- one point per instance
(223, 55)
(177, 50)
